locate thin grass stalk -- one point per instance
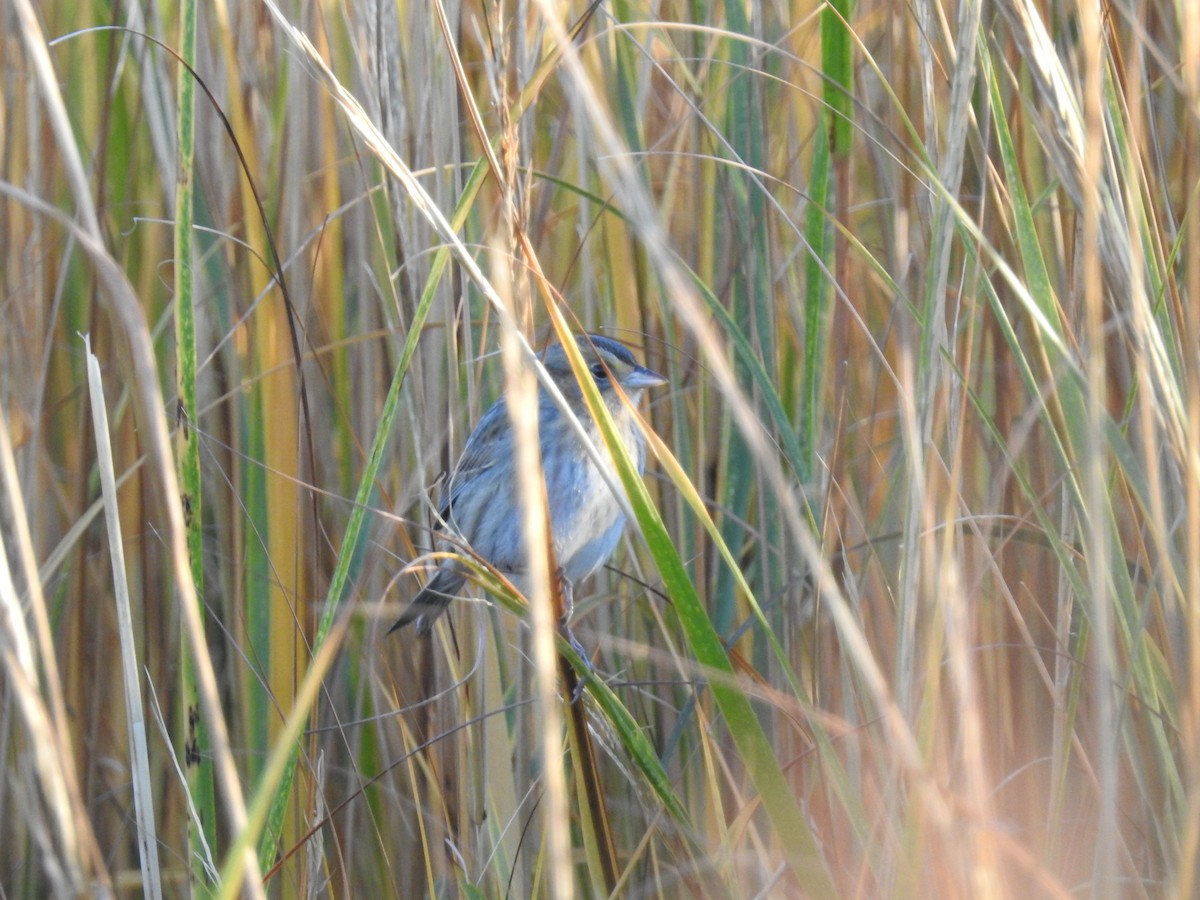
(837, 136)
(193, 736)
(594, 814)
(825, 339)
(521, 389)
(1093, 458)
(143, 798)
(946, 393)
(818, 299)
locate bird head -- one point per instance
(608, 361)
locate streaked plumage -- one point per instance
(586, 521)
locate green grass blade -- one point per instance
(194, 739)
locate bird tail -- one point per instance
(431, 602)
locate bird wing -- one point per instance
(489, 445)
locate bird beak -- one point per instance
(641, 377)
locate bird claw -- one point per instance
(578, 692)
(576, 646)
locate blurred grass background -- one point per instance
(922, 614)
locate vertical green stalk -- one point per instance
(831, 147)
(750, 295)
(818, 296)
(197, 762)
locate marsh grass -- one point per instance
(913, 604)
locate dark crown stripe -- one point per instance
(607, 345)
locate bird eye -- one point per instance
(599, 372)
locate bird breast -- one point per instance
(585, 517)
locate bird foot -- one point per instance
(575, 645)
(583, 655)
